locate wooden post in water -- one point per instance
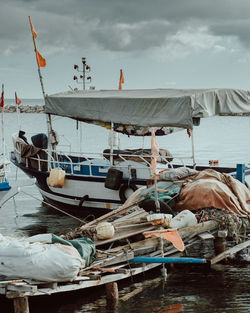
(112, 293)
(220, 243)
(21, 305)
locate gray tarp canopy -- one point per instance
(148, 107)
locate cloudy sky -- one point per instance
(157, 43)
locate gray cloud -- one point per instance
(118, 25)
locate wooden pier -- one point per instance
(121, 262)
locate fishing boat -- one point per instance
(4, 162)
(4, 184)
(104, 180)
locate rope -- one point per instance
(54, 207)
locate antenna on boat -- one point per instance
(84, 71)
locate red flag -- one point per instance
(154, 151)
(2, 100)
(121, 80)
(34, 33)
(41, 62)
(18, 101)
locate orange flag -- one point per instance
(41, 62)
(121, 80)
(170, 235)
(18, 101)
(154, 151)
(32, 29)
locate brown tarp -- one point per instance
(209, 188)
(30, 151)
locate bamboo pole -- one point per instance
(109, 214)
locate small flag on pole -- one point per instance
(2, 100)
(18, 101)
(154, 151)
(34, 33)
(41, 62)
(121, 80)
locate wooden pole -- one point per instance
(21, 305)
(220, 245)
(192, 140)
(49, 122)
(3, 135)
(112, 293)
(109, 214)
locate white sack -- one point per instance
(20, 259)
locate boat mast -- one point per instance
(49, 122)
(3, 136)
(84, 71)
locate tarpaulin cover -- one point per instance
(149, 107)
(85, 247)
(213, 189)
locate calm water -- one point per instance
(222, 289)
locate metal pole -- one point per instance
(83, 72)
(112, 145)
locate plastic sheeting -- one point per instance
(213, 189)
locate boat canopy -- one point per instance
(148, 107)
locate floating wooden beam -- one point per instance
(230, 252)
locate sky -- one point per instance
(157, 44)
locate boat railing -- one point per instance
(86, 163)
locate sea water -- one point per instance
(223, 288)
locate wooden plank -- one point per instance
(230, 252)
(122, 257)
(21, 287)
(85, 284)
(2, 290)
(131, 294)
(108, 215)
(206, 236)
(197, 229)
(122, 234)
